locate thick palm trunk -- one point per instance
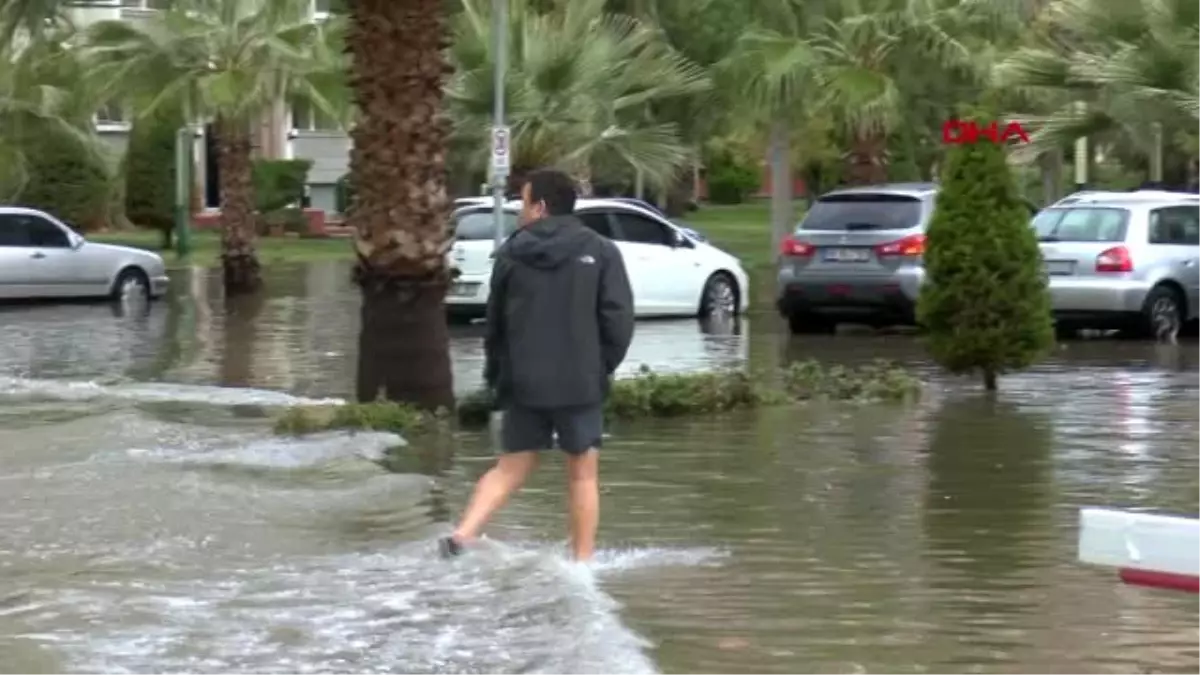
(401, 212)
(238, 257)
(866, 163)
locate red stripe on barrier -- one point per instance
(1174, 582)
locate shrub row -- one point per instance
(648, 394)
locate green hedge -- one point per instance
(279, 193)
(279, 183)
(729, 181)
(71, 182)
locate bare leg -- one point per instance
(492, 490)
(583, 488)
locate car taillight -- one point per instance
(912, 245)
(795, 248)
(1115, 259)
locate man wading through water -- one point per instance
(559, 321)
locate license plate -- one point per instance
(463, 290)
(847, 254)
(1060, 267)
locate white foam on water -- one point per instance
(500, 608)
(286, 452)
(152, 392)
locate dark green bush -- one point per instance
(648, 394)
(150, 173)
(279, 183)
(344, 195)
(69, 181)
(290, 219)
(984, 303)
(731, 183)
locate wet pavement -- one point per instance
(149, 521)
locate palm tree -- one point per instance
(226, 61)
(1131, 63)
(43, 95)
(399, 211)
(582, 86)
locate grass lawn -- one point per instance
(744, 230)
(206, 247)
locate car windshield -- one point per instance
(863, 211)
(478, 225)
(1081, 224)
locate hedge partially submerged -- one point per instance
(648, 394)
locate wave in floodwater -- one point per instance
(283, 452)
(499, 609)
(151, 392)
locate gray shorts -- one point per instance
(577, 429)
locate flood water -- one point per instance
(150, 522)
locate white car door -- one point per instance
(53, 265)
(15, 280)
(602, 221)
(672, 272)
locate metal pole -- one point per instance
(499, 65)
(183, 155)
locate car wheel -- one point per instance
(720, 297)
(131, 284)
(810, 324)
(1162, 314)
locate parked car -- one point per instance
(671, 273)
(1126, 261)
(857, 257)
(41, 257)
(1134, 195)
(684, 226)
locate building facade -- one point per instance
(288, 130)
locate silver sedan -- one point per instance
(40, 257)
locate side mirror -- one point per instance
(679, 240)
(77, 242)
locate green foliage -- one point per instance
(377, 416)
(73, 186)
(731, 184)
(279, 183)
(730, 181)
(649, 394)
(344, 194)
(984, 303)
(150, 171)
(582, 95)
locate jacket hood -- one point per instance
(549, 243)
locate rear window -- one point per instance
(1082, 224)
(855, 212)
(477, 225)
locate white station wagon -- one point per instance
(671, 273)
(40, 257)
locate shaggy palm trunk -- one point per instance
(401, 215)
(238, 257)
(866, 164)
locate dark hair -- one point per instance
(553, 187)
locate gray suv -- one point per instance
(856, 257)
(1123, 261)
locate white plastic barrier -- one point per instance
(1147, 549)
